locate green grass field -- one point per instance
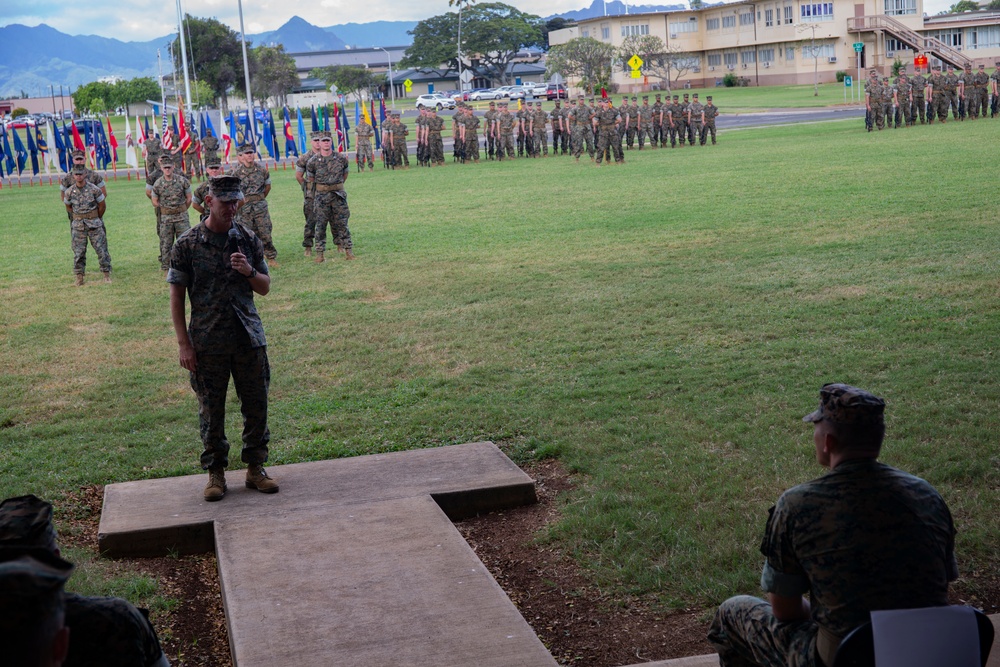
(660, 327)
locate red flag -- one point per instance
(604, 93)
(288, 128)
(336, 124)
(77, 140)
(185, 137)
(112, 141)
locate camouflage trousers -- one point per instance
(745, 633)
(365, 153)
(491, 145)
(251, 375)
(170, 229)
(581, 136)
(309, 231)
(331, 208)
(505, 146)
(92, 230)
(630, 135)
(540, 143)
(695, 131)
(558, 137)
(472, 146)
(878, 115)
(682, 131)
(952, 97)
(706, 128)
(255, 217)
(401, 153)
(607, 139)
(918, 108)
(435, 146)
(940, 106)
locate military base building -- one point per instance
(785, 42)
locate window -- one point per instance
(605, 32)
(789, 14)
(728, 21)
(635, 30)
(748, 56)
(900, 7)
(714, 59)
(790, 53)
(767, 55)
(747, 18)
(585, 33)
(684, 26)
(768, 18)
(892, 44)
(730, 57)
(689, 62)
(949, 37)
(984, 37)
(819, 51)
(712, 24)
(820, 11)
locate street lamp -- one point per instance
(812, 26)
(392, 87)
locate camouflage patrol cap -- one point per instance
(591, 100)
(78, 153)
(492, 103)
(645, 98)
(26, 521)
(78, 169)
(316, 136)
(325, 134)
(696, 95)
(225, 188)
(165, 158)
(686, 95)
(32, 588)
(982, 66)
(677, 97)
(634, 98)
(247, 148)
(997, 64)
(657, 96)
(709, 98)
(844, 404)
(213, 162)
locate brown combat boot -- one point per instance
(273, 263)
(319, 257)
(80, 280)
(257, 479)
(348, 254)
(216, 487)
(107, 276)
(309, 251)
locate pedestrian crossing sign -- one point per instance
(635, 62)
(408, 85)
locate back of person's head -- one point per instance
(26, 523)
(33, 632)
(855, 416)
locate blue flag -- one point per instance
(326, 118)
(345, 127)
(32, 150)
(20, 154)
(58, 135)
(149, 132)
(173, 125)
(376, 124)
(233, 137)
(207, 120)
(103, 148)
(302, 131)
(315, 125)
(268, 135)
(5, 150)
(290, 147)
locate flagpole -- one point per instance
(246, 76)
(184, 58)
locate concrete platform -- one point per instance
(355, 562)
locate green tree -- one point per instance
(668, 64)
(274, 73)
(994, 4)
(584, 59)
(559, 23)
(434, 43)
(348, 79)
(133, 91)
(92, 95)
(215, 56)
(964, 6)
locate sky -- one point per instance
(144, 20)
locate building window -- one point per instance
(949, 37)
(768, 18)
(900, 7)
(714, 59)
(747, 18)
(790, 53)
(712, 24)
(748, 56)
(767, 55)
(892, 44)
(635, 30)
(984, 37)
(730, 57)
(585, 33)
(684, 26)
(789, 14)
(728, 21)
(819, 51)
(689, 62)
(605, 32)
(819, 11)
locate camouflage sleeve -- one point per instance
(180, 265)
(782, 573)
(257, 259)
(111, 632)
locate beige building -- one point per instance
(794, 41)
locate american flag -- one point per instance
(166, 141)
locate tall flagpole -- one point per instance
(184, 57)
(251, 121)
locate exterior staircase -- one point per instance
(916, 41)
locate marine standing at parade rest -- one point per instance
(674, 120)
(683, 128)
(506, 121)
(539, 135)
(171, 193)
(153, 151)
(657, 127)
(918, 87)
(903, 99)
(308, 232)
(472, 124)
(696, 119)
(364, 133)
(213, 165)
(400, 152)
(66, 182)
(210, 145)
(490, 119)
(645, 123)
(964, 92)
(710, 112)
(995, 89)
(435, 144)
(558, 128)
(936, 90)
(980, 85)
(85, 203)
(582, 129)
(253, 213)
(326, 173)
(873, 103)
(606, 122)
(951, 83)
(219, 265)
(421, 130)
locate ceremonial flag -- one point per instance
(20, 155)
(149, 132)
(50, 154)
(227, 135)
(357, 112)
(302, 131)
(8, 156)
(131, 159)
(102, 147)
(88, 140)
(166, 140)
(249, 136)
(173, 125)
(77, 140)
(207, 119)
(268, 136)
(290, 148)
(338, 137)
(185, 135)
(32, 149)
(345, 127)
(114, 142)
(315, 123)
(381, 120)
(60, 134)
(326, 118)
(140, 136)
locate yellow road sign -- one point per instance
(408, 84)
(636, 74)
(635, 62)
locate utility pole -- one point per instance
(184, 58)
(251, 121)
(392, 86)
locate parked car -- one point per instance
(517, 92)
(539, 90)
(502, 91)
(485, 94)
(555, 91)
(435, 101)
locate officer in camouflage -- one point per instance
(308, 232)
(435, 145)
(34, 631)
(219, 265)
(364, 132)
(255, 182)
(104, 631)
(210, 145)
(85, 203)
(171, 194)
(865, 536)
(214, 168)
(505, 123)
(80, 158)
(326, 173)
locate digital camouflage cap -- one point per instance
(844, 404)
(26, 521)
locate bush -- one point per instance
(18, 112)
(840, 75)
(730, 80)
(897, 65)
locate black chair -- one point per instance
(858, 647)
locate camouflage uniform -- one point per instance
(210, 146)
(472, 124)
(682, 125)
(674, 110)
(904, 100)
(87, 225)
(863, 512)
(657, 127)
(582, 130)
(505, 127)
(172, 195)
(951, 81)
(522, 131)
(228, 339)
(645, 123)
(435, 145)
(198, 197)
(153, 151)
(490, 118)
(365, 153)
(607, 138)
(981, 90)
(308, 210)
(109, 632)
(694, 120)
(711, 112)
(874, 93)
(539, 139)
(400, 152)
(918, 86)
(558, 118)
(254, 213)
(995, 89)
(326, 175)
(939, 97)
